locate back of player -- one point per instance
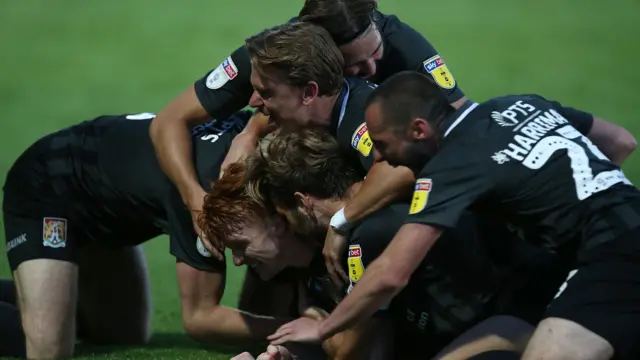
(81, 198)
(531, 165)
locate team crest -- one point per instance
(420, 196)
(361, 140)
(223, 73)
(356, 269)
(439, 71)
(54, 232)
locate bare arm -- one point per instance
(614, 140)
(383, 185)
(206, 320)
(170, 133)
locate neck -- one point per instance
(322, 108)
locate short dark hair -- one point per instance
(308, 161)
(298, 53)
(408, 95)
(345, 20)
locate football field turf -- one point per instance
(69, 60)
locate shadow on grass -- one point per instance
(168, 341)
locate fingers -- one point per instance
(216, 252)
(340, 271)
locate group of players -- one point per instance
(519, 238)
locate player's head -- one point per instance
(292, 66)
(305, 176)
(255, 235)
(403, 117)
(351, 25)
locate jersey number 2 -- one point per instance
(586, 183)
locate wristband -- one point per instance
(339, 221)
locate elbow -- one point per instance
(199, 330)
(392, 282)
(628, 144)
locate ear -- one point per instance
(419, 129)
(303, 200)
(310, 92)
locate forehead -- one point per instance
(363, 47)
(262, 81)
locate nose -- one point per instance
(369, 68)
(238, 260)
(255, 101)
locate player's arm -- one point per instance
(373, 335)
(383, 185)
(221, 92)
(416, 52)
(613, 140)
(206, 320)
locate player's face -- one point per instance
(260, 245)
(300, 220)
(361, 54)
(282, 102)
(396, 147)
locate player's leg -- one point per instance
(42, 260)
(114, 298)
(596, 312)
(496, 333)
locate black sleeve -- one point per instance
(411, 51)
(227, 88)
(370, 239)
(352, 135)
(185, 245)
(448, 185)
(581, 120)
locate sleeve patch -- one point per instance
(361, 140)
(356, 268)
(436, 67)
(222, 74)
(420, 196)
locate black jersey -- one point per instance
(106, 173)
(526, 160)
(443, 298)
(227, 88)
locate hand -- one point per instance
(273, 353)
(195, 207)
(302, 330)
(335, 246)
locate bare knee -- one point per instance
(557, 338)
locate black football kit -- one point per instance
(227, 88)
(99, 182)
(528, 162)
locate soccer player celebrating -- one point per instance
(304, 177)
(374, 46)
(524, 162)
(76, 205)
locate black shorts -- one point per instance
(603, 294)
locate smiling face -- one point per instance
(361, 54)
(264, 245)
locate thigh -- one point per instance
(495, 333)
(39, 237)
(600, 302)
(47, 293)
(114, 298)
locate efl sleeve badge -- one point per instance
(361, 140)
(356, 268)
(436, 67)
(420, 196)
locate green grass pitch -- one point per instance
(69, 60)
